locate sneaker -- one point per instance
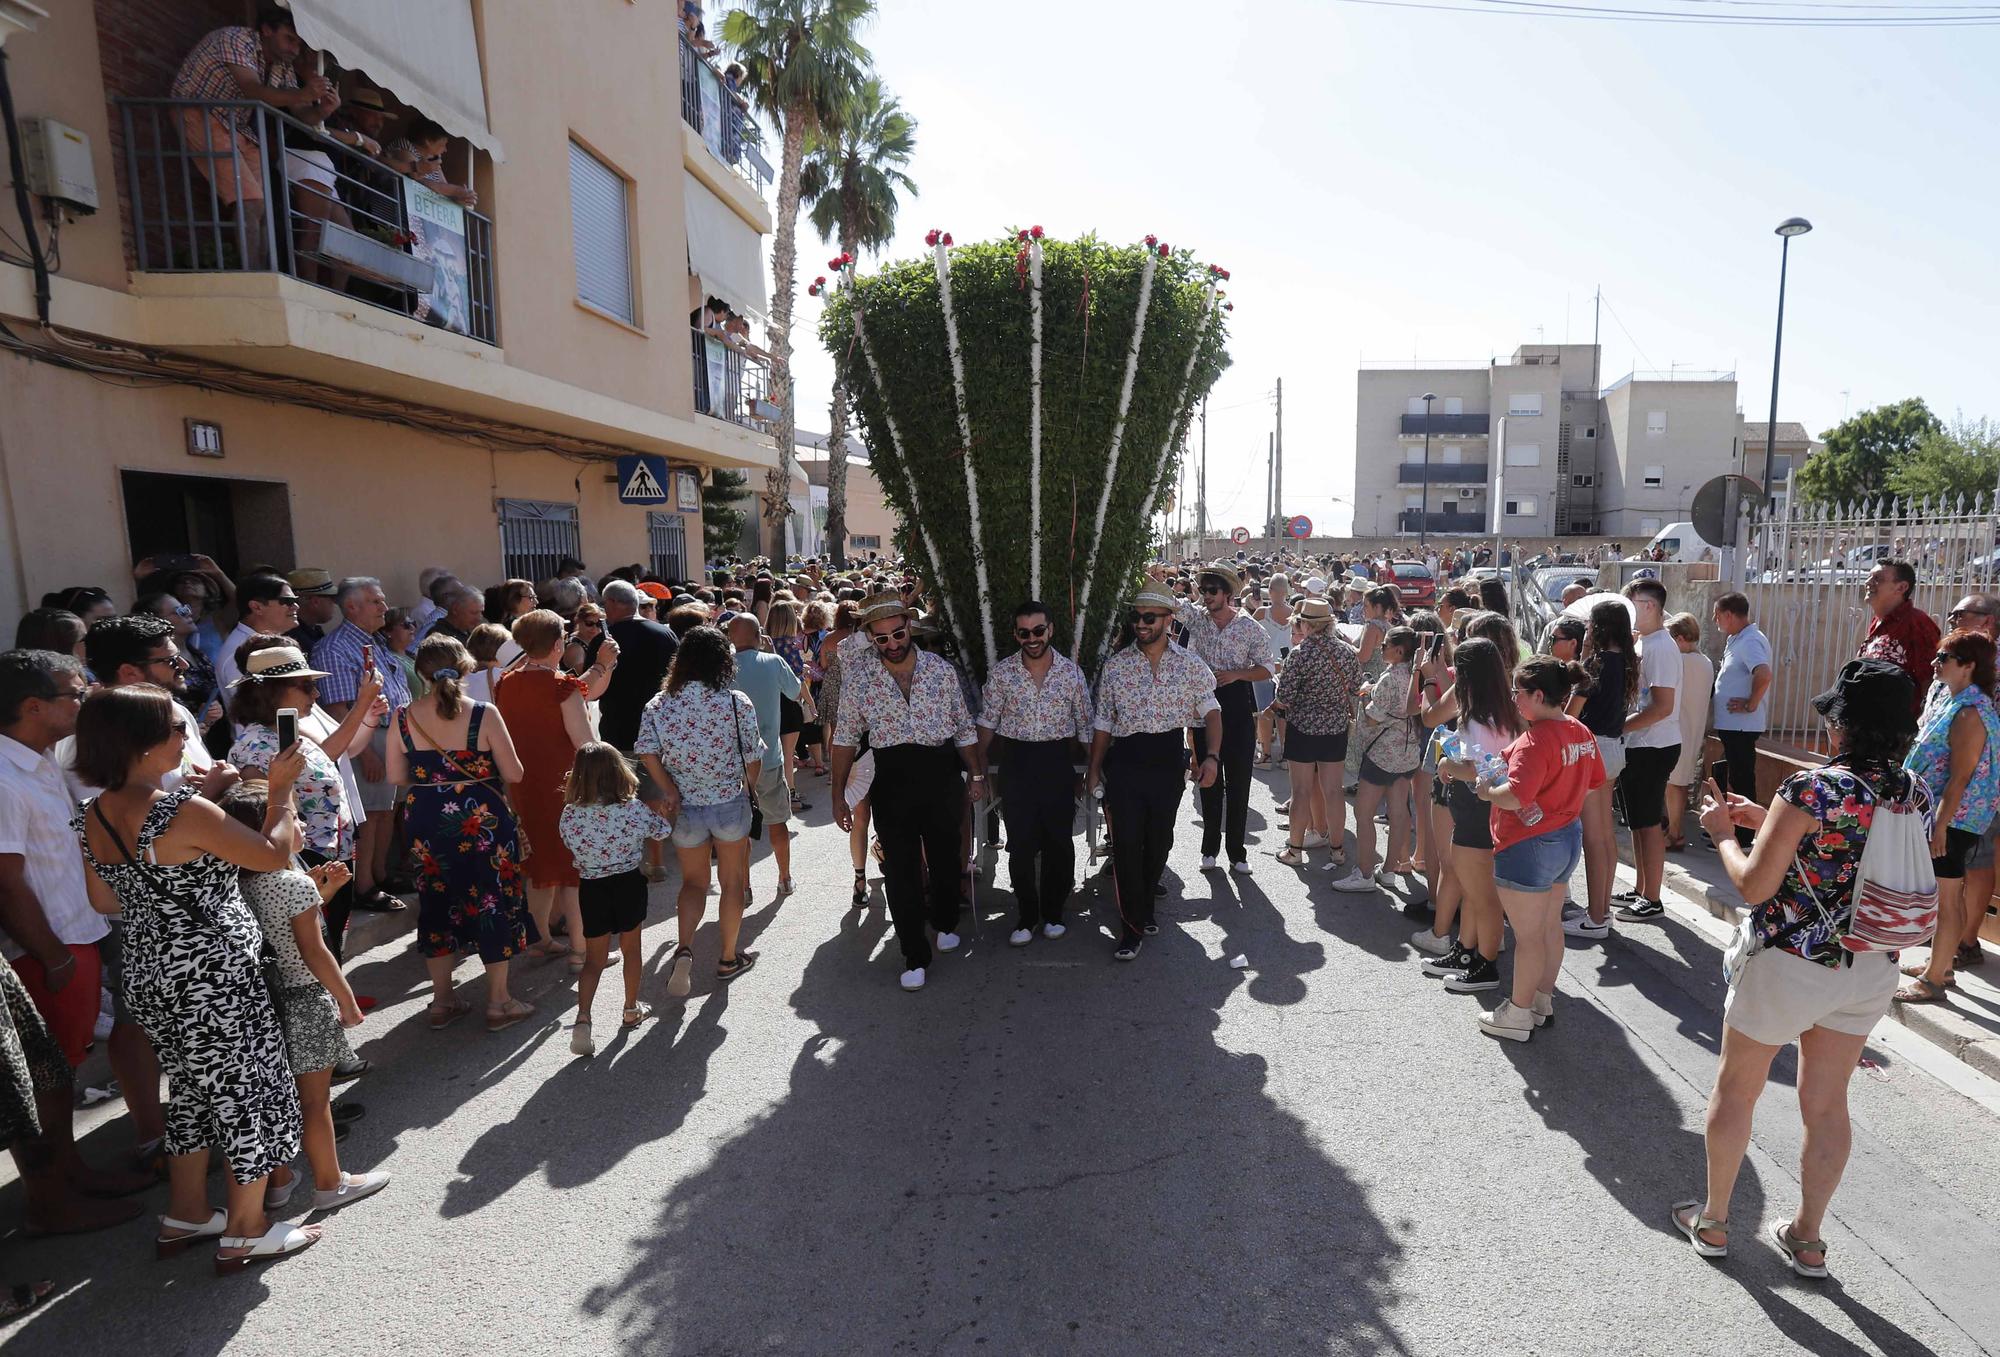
(1150, 930)
(913, 978)
(1053, 930)
(947, 942)
(1284, 807)
(1021, 937)
(1128, 951)
(353, 1187)
(1293, 855)
(1208, 862)
(1508, 1022)
(1481, 975)
(1430, 944)
(1545, 1008)
(1641, 911)
(1581, 926)
(1455, 961)
(1241, 867)
(579, 1039)
(1385, 877)
(1355, 882)
(1160, 891)
(1621, 897)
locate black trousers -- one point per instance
(334, 913)
(919, 800)
(1039, 809)
(1143, 778)
(1738, 771)
(1226, 802)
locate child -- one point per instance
(313, 1001)
(605, 827)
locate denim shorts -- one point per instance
(724, 822)
(1534, 865)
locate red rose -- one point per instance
(947, 237)
(1166, 250)
(1035, 231)
(931, 238)
(1152, 241)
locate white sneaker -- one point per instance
(1355, 882)
(1315, 839)
(1053, 930)
(913, 979)
(1580, 926)
(1429, 943)
(1508, 1022)
(947, 942)
(579, 1040)
(1240, 868)
(1545, 1008)
(1208, 862)
(353, 1187)
(1021, 937)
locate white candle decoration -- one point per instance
(942, 263)
(1117, 438)
(1035, 422)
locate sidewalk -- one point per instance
(1966, 1026)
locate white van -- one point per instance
(1680, 542)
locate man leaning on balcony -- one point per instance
(259, 63)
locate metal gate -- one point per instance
(666, 537)
(535, 535)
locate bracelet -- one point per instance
(68, 960)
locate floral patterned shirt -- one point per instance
(1842, 800)
(606, 840)
(704, 737)
(1318, 686)
(1930, 756)
(1018, 707)
(319, 797)
(934, 713)
(1906, 638)
(1134, 698)
(1242, 644)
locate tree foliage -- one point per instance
(1090, 307)
(1959, 461)
(721, 521)
(1862, 451)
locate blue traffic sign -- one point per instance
(642, 479)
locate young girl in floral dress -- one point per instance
(606, 827)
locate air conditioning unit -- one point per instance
(1468, 492)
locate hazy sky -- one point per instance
(1386, 183)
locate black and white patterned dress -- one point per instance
(31, 1061)
(194, 982)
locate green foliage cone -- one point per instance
(1090, 302)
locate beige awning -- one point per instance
(426, 54)
(724, 251)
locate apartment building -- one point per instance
(380, 378)
(1532, 438)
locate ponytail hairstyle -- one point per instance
(1387, 599)
(1482, 690)
(1553, 679)
(1405, 640)
(443, 663)
(1611, 629)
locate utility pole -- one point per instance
(1201, 481)
(1278, 457)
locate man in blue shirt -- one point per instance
(766, 679)
(1740, 687)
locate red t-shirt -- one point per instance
(1550, 770)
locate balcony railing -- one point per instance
(208, 196)
(1410, 520)
(729, 385)
(710, 108)
(1457, 473)
(1444, 424)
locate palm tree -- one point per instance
(852, 178)
(803, 61)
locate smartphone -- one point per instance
(367, 656)
(288, 728)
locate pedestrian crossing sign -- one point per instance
(642, 479)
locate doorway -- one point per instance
(237, 523)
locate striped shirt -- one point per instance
(205, 74)
(340, 655)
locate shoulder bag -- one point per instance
(756, 810)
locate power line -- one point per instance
(1650, 366)
(1985, 17)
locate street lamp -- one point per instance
(1424, 513)
(1786, 229)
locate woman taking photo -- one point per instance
(547, 722)
(1957, 754)
(1611, 658)
(454, 759)
(193, 974)
(1316, 693)
(698, 740)
(1388, 755)
(1487, 721)
(1802, 984)
(1537, 840)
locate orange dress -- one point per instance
(531, 701)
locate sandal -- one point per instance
(680, 973)
(636, 1014)
(1920, 992)
(1792, 1247)
(166, 1245)
(1969, 954)
(1293, 855)
(280, 1241)
(23, 1297)
(860, 890)
(550, 950)
(379, 901)
(731, 967)
(1690, 1221)
(504, 1017)
(445, 1014)
(1917, 969)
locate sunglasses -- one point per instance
(1943, 658)
(1957, 613)
(1149, 619)
(1214, 589)
(889, 638)
(1031, 633)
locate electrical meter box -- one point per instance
(58, 162)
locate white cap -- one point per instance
(1315, 584)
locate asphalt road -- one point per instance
(1048, 1152)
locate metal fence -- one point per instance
(229, 186)
(709, 106)
(666, 541)
(728, 385)
(535, 535)
(1807, 573)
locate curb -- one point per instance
(1956, 1036)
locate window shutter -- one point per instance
(601, 226)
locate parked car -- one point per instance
(1541, 598)
(1415, 584)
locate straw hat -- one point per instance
(1227, 574)
(1152, 596)
(311, 580)
(880, 607)
(278, 662)
(1315, 612)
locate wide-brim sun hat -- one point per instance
(277, 663)
(882, 606)
(1156, 598)
(1314, 611)
(1230, 577)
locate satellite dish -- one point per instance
(1718, 504)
